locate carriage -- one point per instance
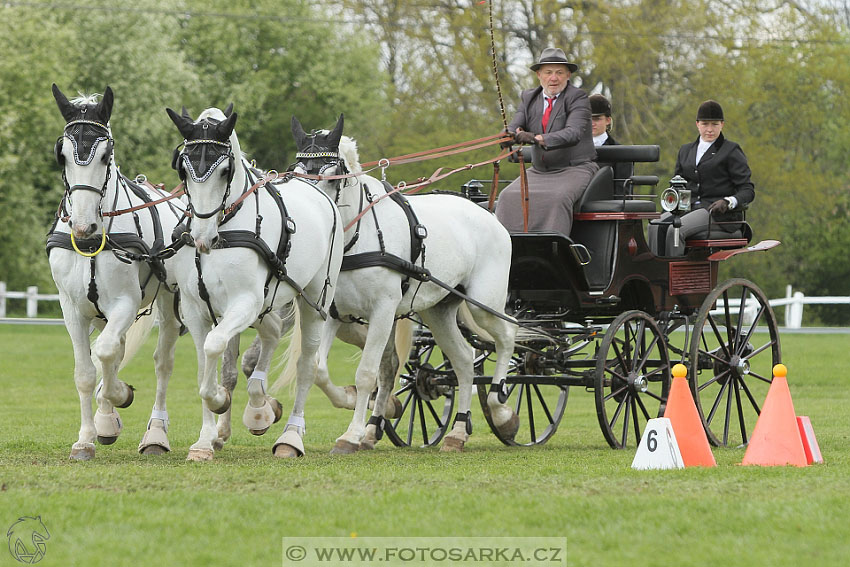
(599, 310)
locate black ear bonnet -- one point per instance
(200, 156)
(85, 135)
(319, 150)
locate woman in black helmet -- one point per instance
(718, 177)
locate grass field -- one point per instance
(126, 509)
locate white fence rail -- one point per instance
(793, 303)
(31, 295)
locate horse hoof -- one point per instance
(105, 440)
(277, 408)
(83, 452)
(343, 447)
(367, 444)
(153, 450)
(258, 432)
(452, 445)
(130, 397)
(508, 430)
(393, 407)
(200, 455)
(225, 406)
(284, 451)
(218, 444)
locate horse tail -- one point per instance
(465, 316)
(403, 344)
(291, 356)
(134, 338)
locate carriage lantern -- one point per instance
(472, 191)
(676, 197)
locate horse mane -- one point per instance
(85, 99)
(349, 154)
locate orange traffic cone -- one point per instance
(776, 438)
(687, 425)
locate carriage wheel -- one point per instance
(539, 405)
(731, 363)
(427, 395)
(632, 378)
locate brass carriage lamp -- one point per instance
(676, 197)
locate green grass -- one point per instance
(126, 509)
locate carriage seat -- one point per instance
(719, 238)
(599, 197)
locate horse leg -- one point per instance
(263, 410)
(85, 376)
(155, 439)
(290, 443)
(341, 397)
(109, 349)
(442, 320)
(287, 320)
(381, 324)
(504, 418)
(229, 377)
(202, 449)
(386, 377)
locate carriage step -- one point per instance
(610, 300)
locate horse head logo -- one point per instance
(28, 540)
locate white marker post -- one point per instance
(658, 448)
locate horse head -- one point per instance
(317, 153)
(84, 152)
(206, 165)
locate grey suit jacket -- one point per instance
(568, 140)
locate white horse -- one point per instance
(466, 248)
(102, 269)
(281, 243)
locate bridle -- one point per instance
(182, 162)
(318, 160)
(80, 160)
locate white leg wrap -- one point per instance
(161, 415)
(260, 377)
(107, 424)
(297, 422)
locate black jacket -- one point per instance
(722, 172)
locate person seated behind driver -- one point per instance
(555, 118)
(601, 120)
(718, 177)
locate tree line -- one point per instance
(411, 75)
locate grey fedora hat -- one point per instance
(554, 55)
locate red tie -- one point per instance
(547, 112)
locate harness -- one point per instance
(125, 246)
(275, 259)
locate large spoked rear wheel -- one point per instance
(734, 348)
(632, 378)
(534, 396)
(427, 395)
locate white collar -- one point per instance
(600, 139)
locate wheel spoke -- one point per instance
(741, 421)
(613, 393)
(731, 384)
(616, 414)
(530, 414)
(619, 356)
(642, 407)
(742, 309)
(714, 379)
(410, 424)
(519, 399)
(719, 337)
(422, 422)
(636, 417)
(714, 406)
(403, 408)
(749, 394)
(654, 396)
(543, 404)
(436, 417)
(740, 350)
(626, 420)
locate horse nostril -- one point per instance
(92, 228)
(214, 241)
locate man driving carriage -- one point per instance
(718, 176)
(555, 119)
